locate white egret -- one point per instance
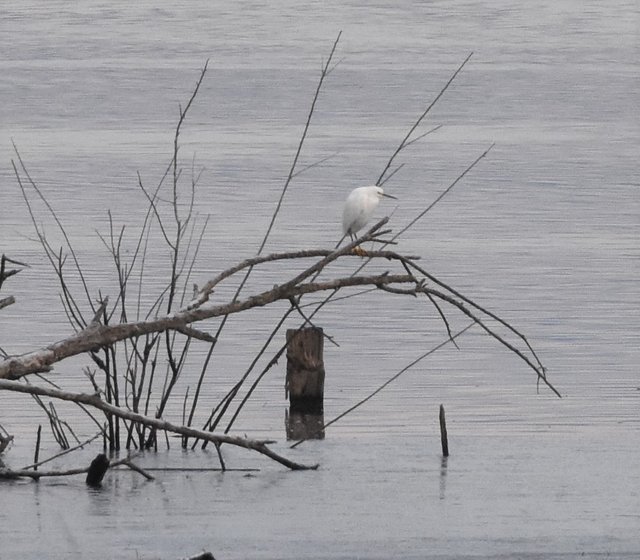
(359, 208)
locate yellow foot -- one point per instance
(359, 251)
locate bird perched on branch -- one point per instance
(359, 208)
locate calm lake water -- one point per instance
(544, 231)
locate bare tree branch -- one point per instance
(405, 141)
(53, 214)
(97, 336)
(325, 71)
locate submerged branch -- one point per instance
(11, 474)
(95, 401)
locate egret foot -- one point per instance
(359, 251)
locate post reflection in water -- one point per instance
(443, 476)
(304, 424)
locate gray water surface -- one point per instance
(544, 232)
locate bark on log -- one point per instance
(305, 367)
(304, 383)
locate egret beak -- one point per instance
(390, 196)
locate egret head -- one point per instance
(380, 192)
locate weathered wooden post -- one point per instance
(304, 384)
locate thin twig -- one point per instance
(292, 170)
(478, 307)
(62, 453)
(58, 222)
(127, 462)
(444, 192)
(405, 140)
(183, 114)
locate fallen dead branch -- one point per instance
(11, 474)
(96, 335)
(261, 446)
(139, 353)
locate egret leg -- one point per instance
(360, 252)
(357, 250)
